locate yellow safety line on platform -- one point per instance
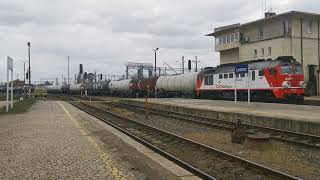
(104, 156)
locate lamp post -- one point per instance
(155, 61)
(196, 61)
(29, 69)
(24, 71)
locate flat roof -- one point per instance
(238, 25)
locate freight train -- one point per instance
(280, 79)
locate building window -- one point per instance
(220, 76)
(228, 38)
(309, 26)
(260, 32)
(286, 26)
(225, 76)
(269, 51)
(232, 37)
(262, 52)
(236, 36)
(224, 39)
(220, 40)
(255, 53)
(230, 75)
(242, 75)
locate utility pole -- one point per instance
(29, 69)
(68, 72)
(155, 61)
(24, 71)
(182, 64)
(196, 61)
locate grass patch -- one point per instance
(3, 97)
(19, 107)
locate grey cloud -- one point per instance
(104, 34)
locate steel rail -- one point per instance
(228, 125)
(180, 162)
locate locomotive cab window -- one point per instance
(206, 80)
(220, 76)
(211, 80)
(286, 69)
(298, 70)
(225, 76)
(273, 71)
(253, 75)
(261, 72)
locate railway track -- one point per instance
(312, 141)
(308, 140)
(202, 160)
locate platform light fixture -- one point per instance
(155, 61)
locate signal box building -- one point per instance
(292, 33)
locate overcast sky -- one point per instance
(105, 34)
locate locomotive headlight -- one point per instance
(286, 84)
(303, 84)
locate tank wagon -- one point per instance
(177, 85)
(279, 79)
(78, 89)
(120, 88)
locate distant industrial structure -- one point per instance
(292, 33)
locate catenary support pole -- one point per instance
(248, 85)
(68, 72)
(7, 103)
(29, 69)
(11, 88)
(235, 88)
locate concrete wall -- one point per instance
(271, 28)
(229, 56)
(279, 47)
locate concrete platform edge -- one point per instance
(165, 163)
(273, 122)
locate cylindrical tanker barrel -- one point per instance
(78, 89)
(54, 89)
(120, 87)
(105, 87)
(185, 83)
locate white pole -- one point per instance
(235, 88)
(248, 85)
(7, 104)
(11, 88)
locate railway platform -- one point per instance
(55, 140)
(312, 100)
(298, 118)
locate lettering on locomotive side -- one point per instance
(220, 86)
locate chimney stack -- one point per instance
(80, 69)
(269, 14)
